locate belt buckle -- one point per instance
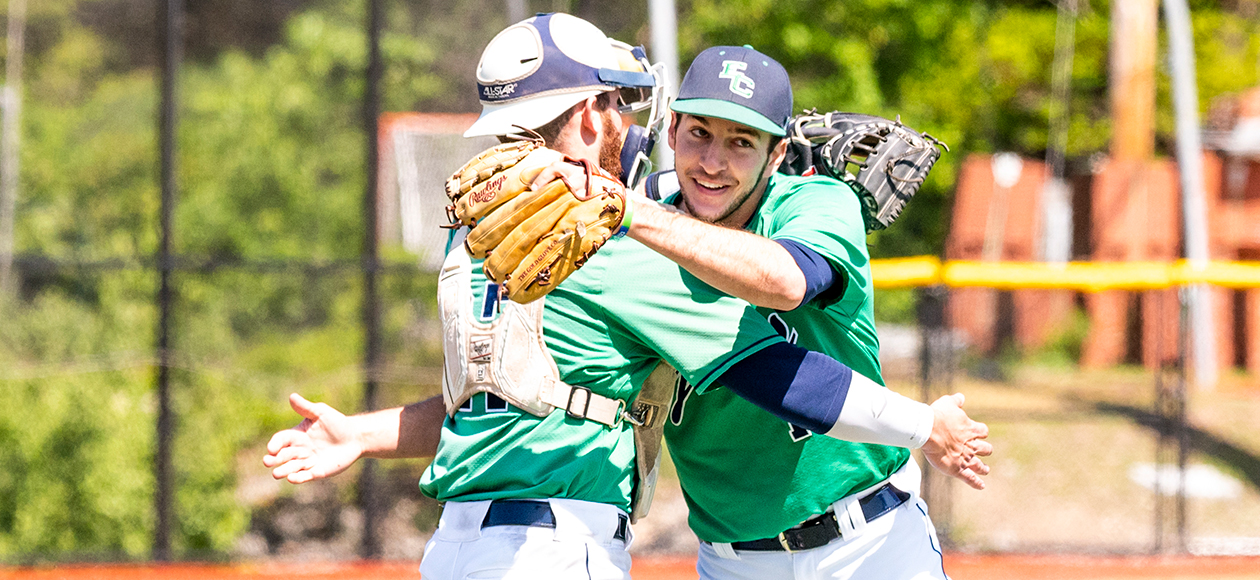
(782, 538)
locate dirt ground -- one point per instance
(959, 567)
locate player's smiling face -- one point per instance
(722, 167)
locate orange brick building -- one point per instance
(1123, 211)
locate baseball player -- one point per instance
(768, 498)
(536, 460)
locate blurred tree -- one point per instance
(975, 74)
(271, 167)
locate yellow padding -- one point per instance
(1228, 274)
(1083, 276)
(906, 272)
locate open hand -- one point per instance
(322, 445)
(957, 442)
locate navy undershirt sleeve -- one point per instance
(802, 387)
(819, 276)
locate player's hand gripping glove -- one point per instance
(883, 160)
(531, 240)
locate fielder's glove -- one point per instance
(531, 240)
(883, 160)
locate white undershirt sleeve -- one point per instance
(875, 414)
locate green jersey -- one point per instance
(606, 327)
(746, 474)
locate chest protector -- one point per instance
(507, 356)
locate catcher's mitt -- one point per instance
(883, 160)
(493, 178)
(531, 240)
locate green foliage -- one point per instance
(896, 306)
(271, 167)
(1227, 55)
(975, 74)
(74, 442)
(274, 146)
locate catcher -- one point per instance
(760, 486)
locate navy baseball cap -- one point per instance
(738, 84)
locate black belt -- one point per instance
(536, 513)
(822, 529)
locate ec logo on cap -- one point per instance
(741, 84)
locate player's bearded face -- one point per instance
(720, 167)
(610, 150)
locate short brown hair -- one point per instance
(550, 132)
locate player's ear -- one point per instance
(777, 153)
(588, 117)
(673, 130)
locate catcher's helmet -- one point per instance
(537, 69)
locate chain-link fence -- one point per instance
(1086, 461)
(1117, 459)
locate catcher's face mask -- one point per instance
(635, 163)
(635, 97)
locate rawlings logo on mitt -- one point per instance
(531, 240)
(883, 160)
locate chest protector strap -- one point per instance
(507, 356)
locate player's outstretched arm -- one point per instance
(327, 442)
(819, 393)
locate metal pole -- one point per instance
(1172, 445)
(170, 42)
(663, 16)
(936, 371)
(1056, 196)
(369, 497)
(1180, 429)
(1194, 207)
(12, 131)
(1164, 397)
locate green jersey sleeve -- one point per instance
(652, 303)
(826, 216)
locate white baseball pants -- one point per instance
(581, 546)
(900, 545)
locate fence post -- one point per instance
(369, 489)
(936, 377)
(11, 137)
(1172, 445)
(170, 49)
